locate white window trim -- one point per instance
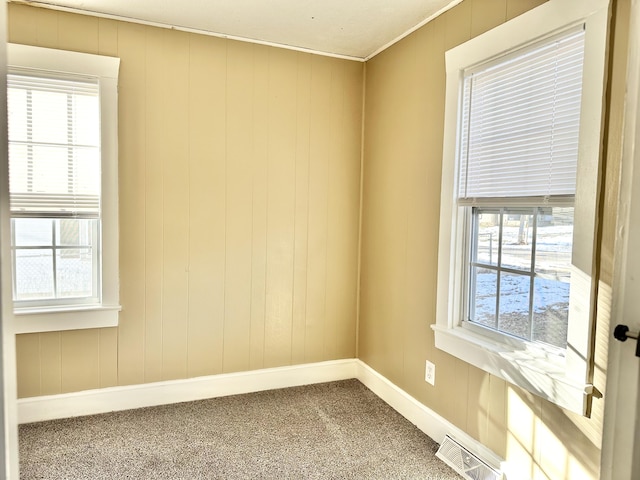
(28, 320)
(566, 380)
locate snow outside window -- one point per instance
(519, 200)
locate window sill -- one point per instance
(53, 319)
(531, 370)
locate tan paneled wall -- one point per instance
(404, 114)
(239, 208)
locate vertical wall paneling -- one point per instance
(342, 211)
(460, 394)
(80, 358)
(155, 89)
(318, 194)
(259, 171)
(335, 211)
(74, 30)
(346, 194)
(497, 416)
(108, 361)
(28, 364)
(132, 186)
(301, 221)
(457, 26)
(239, 205)
(47, 31)
(518, 7)
(386, 212)
(175, 206)
(483, 18)
(51, 363)
(280, 206)
(478, 404)
(207, 150)
(421, 237)
(23, 28)
(239, 182)
(107, 37)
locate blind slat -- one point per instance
(54, 145)
(520, 119)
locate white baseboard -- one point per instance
(428, 421)
(91, 402)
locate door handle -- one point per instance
(622, 333)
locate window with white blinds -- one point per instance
(54, 146)
(520, 120)
(63, 188)
(519, 199)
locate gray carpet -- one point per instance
(337, 430)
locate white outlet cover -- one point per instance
(430, 373)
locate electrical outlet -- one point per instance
(430, 373)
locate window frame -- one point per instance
(105, 312)
(562, 379)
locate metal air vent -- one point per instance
(464, 462)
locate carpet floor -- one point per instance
(336, 430)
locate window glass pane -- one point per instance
(34, 274)
(553, 271)
(483, 304)
(49, 117)
(74, 232)
(488, 235)
(513, 315)
(554, 243)
(74, 272)
(550, 312)
(32, 232)
(517, 230)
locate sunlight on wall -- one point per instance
(551, 453)
(521, 424)
(535, 448)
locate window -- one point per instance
(519, 200)
(518, 144)
(62, 117)
(519, 272)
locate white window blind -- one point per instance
(54, 146)
(520, 119)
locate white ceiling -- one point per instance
(345, 28)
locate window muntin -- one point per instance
(519, 272)
(55, 187)
(55, 260)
